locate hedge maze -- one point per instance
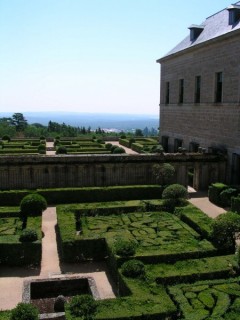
(176, 252)
(12, 250)
(22, 146)
(184, 275)
(208, 300)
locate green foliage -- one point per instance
(28, 235)
(6, 138)
(61, 150)
(157, 149)
(124, 248)
(133, 268)
(214, 192)
(80, 195)
(192, 269)
(226, 195)
(24, 311)
(163, 172)
(119, 150)
(217, 299)
(82, 306)
(33, 204)
(108, 146)
(235, 204)
(224, 228)
(175, 191)
(196, 219)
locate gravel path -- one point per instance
(201, 201)
(11, 279)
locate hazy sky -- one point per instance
(90, 55)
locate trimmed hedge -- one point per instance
(18, 254)
(81, 195)
(214, 192)
(235, 204)
(196, 219)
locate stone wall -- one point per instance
(208, 123)
(32, 172)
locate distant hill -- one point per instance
(94, 120)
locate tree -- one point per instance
(224, 229)
(19, 121)
(163, 172)
(32, 205)
(138, 133)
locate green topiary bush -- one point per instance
(61, 150)
(24, 311)
(235, 204)
(82, 306)
(33, 205)
(175, 191)
(133, 268)
(42, 148)
(124, 248)
(224, 228)
(6, 138)
(214, 192)
(226, 195)
(108, 146)
(119, 150)
(28, 235)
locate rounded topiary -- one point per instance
(6, 138)
(175, 191)
(224, 230)
(59, 304)
(119, 150)
(61, 150)
(42, 148)
(133, 268)
(123, 136)
(124, 248)
(42, 138)
(24, 311)
(113, 147)
(108, 146)
(33, 205)
(28, 235)
(83, 306)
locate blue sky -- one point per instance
(90, 55)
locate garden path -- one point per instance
(50, 152)
(12, 278)
(201, 201)
(128, 150)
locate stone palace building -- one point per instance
(200, 90)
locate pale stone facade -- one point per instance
(200, 90)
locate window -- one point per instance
(234, 14)
(167, 93)
(218, 87)
(165, 143)
(177, 144)
(197, 89)
(181, 90)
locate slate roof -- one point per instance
(214, 26)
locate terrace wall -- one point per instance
(32, 172)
